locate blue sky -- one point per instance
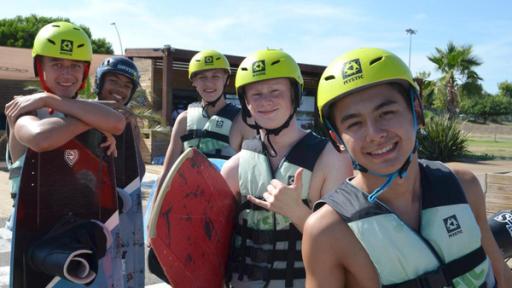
(313, 32)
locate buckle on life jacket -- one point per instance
(433, 279)
(14, 172)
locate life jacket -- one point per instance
(267, 246)
(447, 249)
(210, 135)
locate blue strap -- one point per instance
(373, 196)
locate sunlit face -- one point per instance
(269, 101)
(116, 87)
(210, 83)
(63, 77)
(376, 127)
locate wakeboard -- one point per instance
(65, 211)
(129, 242)
(191, 223)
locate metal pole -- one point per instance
(118, 37)
(410, 32)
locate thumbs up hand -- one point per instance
(281, 198)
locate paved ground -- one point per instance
(480, 168)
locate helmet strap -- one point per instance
(40, 73)
(269, 132)
(87, 66)
(401, 172)
(42, 81)
(214, 102)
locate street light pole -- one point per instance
(118, 37)
(410, 32)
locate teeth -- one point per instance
(383, 150)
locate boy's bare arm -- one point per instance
(175, 147)
(335, 167)
(93, 114)
(322, 267)
(333, 257)
(47, 134)
(240, 132)
(230, 173)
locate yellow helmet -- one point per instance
(264, 65)
(63, 40)
(359, 69)
(206, 60)
(267, 64)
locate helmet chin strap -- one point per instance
(210, 104)
(400, 172)
(42, 82)
(214, 102)
(40, 73)
(275, 131)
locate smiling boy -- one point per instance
(400, 222)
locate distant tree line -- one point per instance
(21, 31)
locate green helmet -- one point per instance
(267, 64)
(206, 60)
(358, 69)
(264, 65)
(63, 40)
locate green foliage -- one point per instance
(442, 140)
(505, 89)
(470, 89)
(87, 93)
(140, 105)
(426, 88)
(102, 46)
(21, 31)
(456, 63)
(439, 101)
(486, 107)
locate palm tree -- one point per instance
(426, 88)
(457, 64)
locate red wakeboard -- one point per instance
(191, 223)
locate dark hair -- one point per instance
(402, 90)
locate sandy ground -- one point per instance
(5, 197)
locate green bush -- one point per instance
(487, 107)
(442, 140)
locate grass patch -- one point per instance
(485, 148)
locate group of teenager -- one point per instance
(355, 209)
